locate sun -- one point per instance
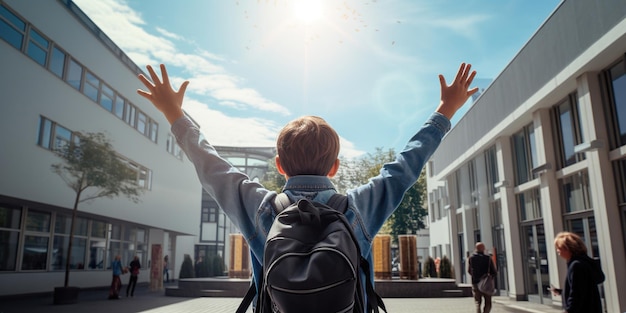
(307, 11)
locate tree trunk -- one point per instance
(69, 245)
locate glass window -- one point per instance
(92, 84)
(45, 129)
(97, 250)
(38, 221)
(154, 129)
(10, 217)
(119, 107)
(130, 114)
(141, 235)
(57, 62)
(74, 74)
(35, 252)
(59, 253)
(99, 229)
(9, 243)
(12, 28)
(525, 154)
(62, 137)
(106, 98)
(570, 132)
(575, 192)
(63, 225)
(529, 204)
(492, 169)
(141, 122)
(618, 84)
(114, 249)
(116, 231)
(37, 47)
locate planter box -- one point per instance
(66, 295)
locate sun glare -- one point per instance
(307, 11)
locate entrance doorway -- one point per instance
(536, 276)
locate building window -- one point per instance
(91, 87)
(473, 182)
(173, 148)
(37, 236)
(10, 222)
(616, 88)
(74, 74)
(106, 97)
(525, 152)
(37, 48)
(57, 62)
(97, 245)
(53, 136)
(62, 227)
(491, 163)
(12, 28)
(575, 192)
(569, 132)
(529, 204)
(119, 107)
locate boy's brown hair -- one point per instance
(307, 146)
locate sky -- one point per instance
(368, 67)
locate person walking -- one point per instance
(166, 270)
(134, 273)
(584, 274)
(480, 264)
(116, 283)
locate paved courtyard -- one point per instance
(95, 301)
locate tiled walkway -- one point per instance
(95, 301)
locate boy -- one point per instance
(308, 149)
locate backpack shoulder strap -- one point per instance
(338, 202)
(281, 201)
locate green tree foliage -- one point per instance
(273, 180)
(445, 268)
(92, 169)
(430, 270)
(408, 217)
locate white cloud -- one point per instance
(127, 29)
(168, 34)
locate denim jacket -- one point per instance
(248, 203)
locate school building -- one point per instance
(60, 74)
(542, 150)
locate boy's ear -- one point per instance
(334, 169)
(279, 167)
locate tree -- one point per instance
(92, 169)
(408, 217)
(273, 180)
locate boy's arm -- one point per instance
(379, 198)
(455, 95)
(161, 94)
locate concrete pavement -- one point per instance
(146, 301)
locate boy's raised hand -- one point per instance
(455, 95)
(162, 95)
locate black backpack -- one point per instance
(312, 261)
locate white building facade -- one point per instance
(59, 74)
(542, 150)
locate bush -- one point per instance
(217, 266)
(186, 269)
(430, 269)
(445, 268)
